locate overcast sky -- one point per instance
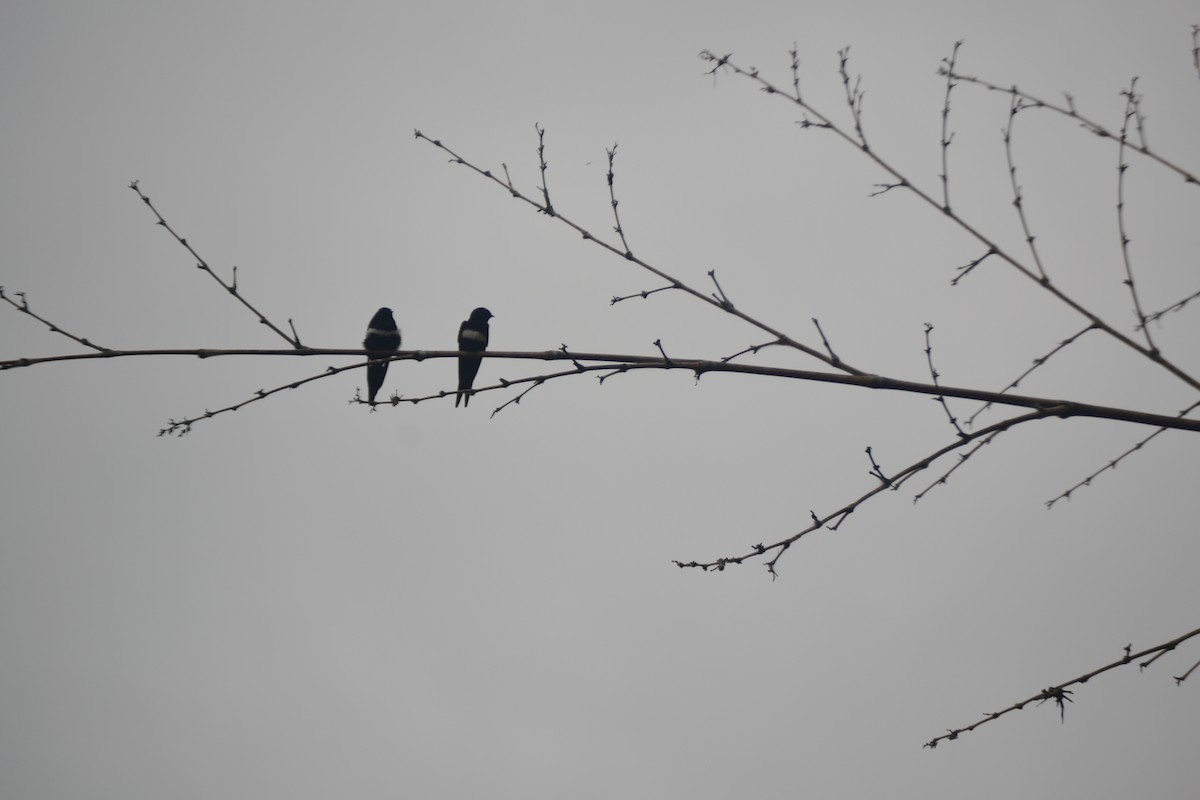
(307, 600)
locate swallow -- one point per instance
(472, 338)
(383, 338)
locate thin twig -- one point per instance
(795, 54)
(612, 196)
(1132, 102)
(965, 269)
(24, 308)
(720, 295)
(1070, 111)
(947, 135)
(1059, 693)
(833, 357)
(1173, 307)
(642, 294)
(725, 62)
(547, 207)
(1037, 362)
(963, 458)
(933, 373)
(752, 349)
(890, 483)
(183, 427)
(1196, 56)
(854, 97)
(783, 338)
(202, 264)
(1066, 495)
(1018, 198)
(877, 471)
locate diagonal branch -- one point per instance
(1060, 693)
(674, 282)
(725, 62)
(23, 307)
(890, 483)
(1037, 362)
(1177, 306)
(1070, 111)
(1066, 495)
(231, 287)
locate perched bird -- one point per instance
(472, 338)
(383, 337)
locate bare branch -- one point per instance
(1132, 102)
(642, 294)
(947, 136)
(23, 307)
(1018, 198)
(1113, 464)
(965, 270)
(1196, 54)
(854, 97)
(1060, 693)
(886, 483)
(1073, 113)
(962, 459)
(877, 470)
(719, 295)
(783, 338)
(933, 374)
(833, 357)
(547, 207)
(612, 196)
(1181, 678)
(725, 62)
(183, 427)
(1049, 406)
(1037, 362)
(1173, 307)
(202, 264)
(752, 349)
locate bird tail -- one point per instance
(375, 376)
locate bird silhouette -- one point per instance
(383, 338)
(472, 338)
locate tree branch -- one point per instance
(1060, 693)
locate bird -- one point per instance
(383, 337)
(472, 338)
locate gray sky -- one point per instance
(304, 599)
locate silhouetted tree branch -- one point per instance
(1130, 143)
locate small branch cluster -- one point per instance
(854, 96)
(624, 252)
(1069, 110)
